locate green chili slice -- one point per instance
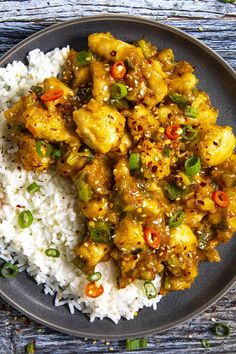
(8, 270)
(94, 277)
(192, 166)
(176, 219)
(189, 133)
(134, 161)
(33, 187)
(118, 91)
(56, 154)
(179, 99)
(135, 344)
(172, 191)
(205, 343)
(52, 252)
(84, 57)
(150, 289)
(43, 148)
(191, 112)
(25, 219)
(100, 231)
(221, 330)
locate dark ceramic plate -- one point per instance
(218, 79)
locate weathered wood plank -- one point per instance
(16, 332)
(220, 36)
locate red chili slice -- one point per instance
(118, 70)
(152, 237)
(220, 198)
(171, 131)
(93, 291)
(52, 95)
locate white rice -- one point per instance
(56, 222)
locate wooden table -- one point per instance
(214, 23)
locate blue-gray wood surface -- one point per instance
(211, 21)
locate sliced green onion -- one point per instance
(189, 133)
(134, 161)
(43, 148)
(176, 219)
(166, 151)
(33, 187)
(179, 99)
(84, 190)
(192, 166)
(147, 48)
(172, 191)
(118, 91)
(25, 219)
(84, 57)
(56, 153)
(100, 231)
(191, 112)
(30, 349)
(150, 289)
(8, 270)
(77, 261)
(205, 343)
(135, 344)
(221, 330)
(94, 277)
(52, 252)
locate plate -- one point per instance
(218, 79)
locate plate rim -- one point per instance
(209, 51)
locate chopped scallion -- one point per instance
(84, 57)
(205, 343)
(52, 252)
(191, 112)
(150, 289)
(192, 166)
(118, 91)
(172, 191)
(135, 344)
(134, 161)
(189, 133)
(221, 330)
(33, 187)
(179, 99)
(43, 148)
(100, 231)
(176, 219)
(94, 277)
(8, 270)
(25, 219)
(30, 349)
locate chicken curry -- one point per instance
(155, 175)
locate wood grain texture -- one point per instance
(214, 23)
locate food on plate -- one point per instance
(154, 177)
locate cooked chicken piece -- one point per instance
(101, 82)
(47, 125)
(142, 122)
(129, 235)
(100, 127)
(28, 155)
(14, 115)
(52, 83)
(91, 253)
(107, 46)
